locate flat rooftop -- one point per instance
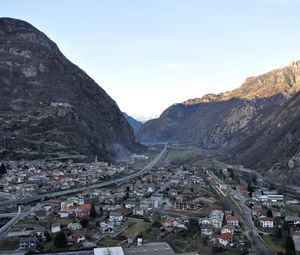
(150, 249)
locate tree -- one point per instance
(285, 231)
(193, 225)
(100, 212)
(47, 237)
(269, 213)
(230, 171)
(278, 232)
(3, 169)
(289, 244)
(250, 188)
(126, 196)
(84, 222)
(254, 178)
(93, 213)
(60, 240)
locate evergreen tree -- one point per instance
(126, 196)
(193, 225)
(60, 240)
(100, 212)
(285, 231)
(47, 237)
(2, 169)
(289, 245)
(250, 188)
(93, 213)
(84, 222)
(269, 213)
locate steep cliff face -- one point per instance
(49, 107)
(225, 119)
(276, 144)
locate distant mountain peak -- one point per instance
(283, 81)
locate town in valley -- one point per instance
(177, 205)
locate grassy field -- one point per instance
(275, 243)
(186, 243)
(136, 228)
(62, 221)
(181, 155)
(108, 242)
(49, 247)
(32, 222)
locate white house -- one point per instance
(266, 222)
(207, 230)
(293, 220)
(227, 229)
(233, 220)
(106, 228)
(216, 217)
(55, 228)
(139, 211)
(116, 217)
(63, 214)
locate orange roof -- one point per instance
(226, 236)
(231, 218)
(85, 207)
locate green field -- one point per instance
(136, 228)
(276, 244)
(181, 155)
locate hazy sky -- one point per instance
(149, 54)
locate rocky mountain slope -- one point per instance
(225, 119)
(49, 107)
(275, 145)
(135, 124)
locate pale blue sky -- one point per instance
(149, 54)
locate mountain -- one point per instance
(135, 124)
(225, 119)
(49, 107)
(275, 146)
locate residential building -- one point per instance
(216, 217)
(233, 220)
(266, 222)
(228, 229)
(293, 220)
(225, 239)
(27, 243)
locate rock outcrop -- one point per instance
(49, 107)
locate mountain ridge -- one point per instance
(265, 90)
(50, 107)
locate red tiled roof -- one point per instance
(226, 236)
(231, 218)
(85, 207)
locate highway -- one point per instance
(19, 215)
(117, 181)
